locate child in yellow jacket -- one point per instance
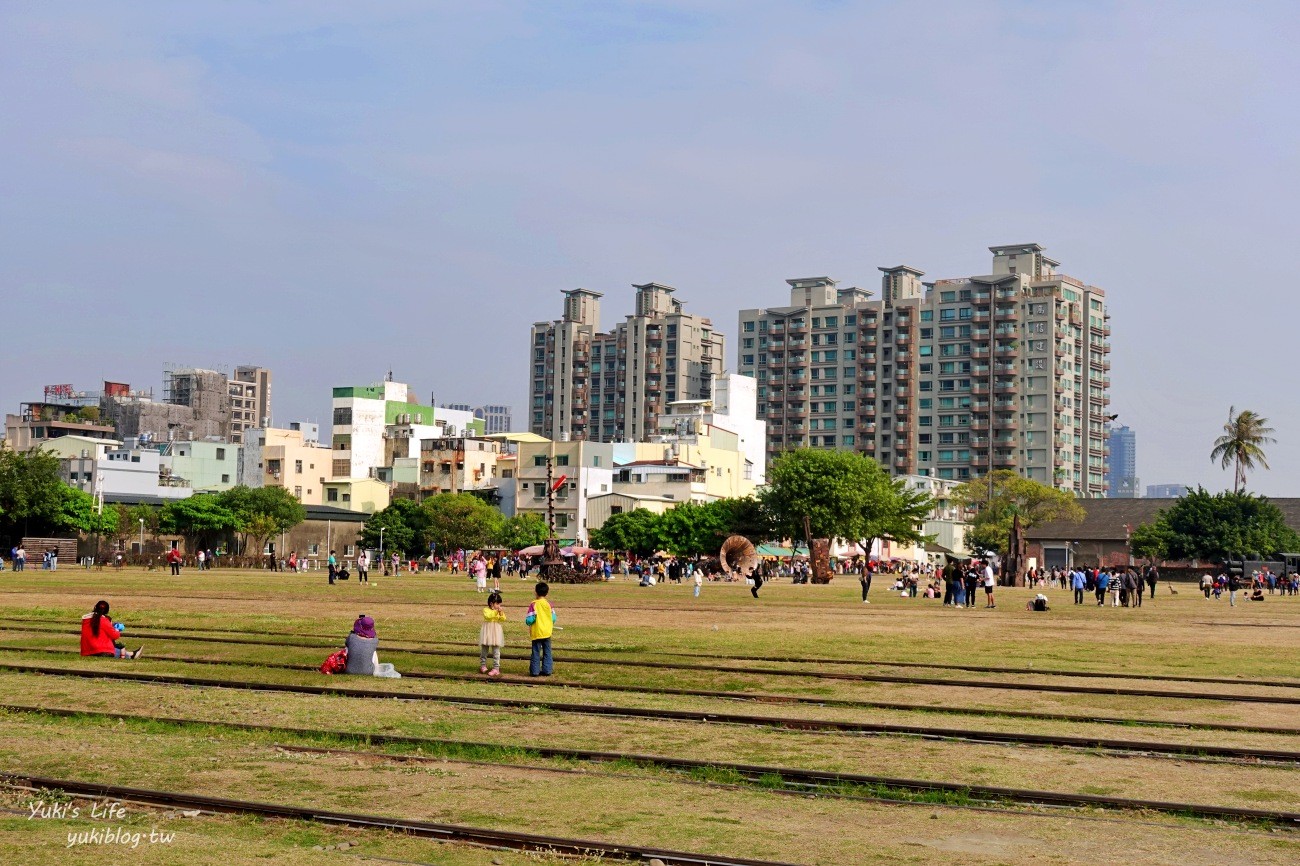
(491, 636)
(541, 622)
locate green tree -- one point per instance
(30, 494)
(1242, 444)
(898, 514)
(405, 528)
(1150, 541)
(1012, 495)
(844, 495)
(522, 530)
(79, 512)
(461, 520)
(691, 529)
(637, 531)
(1210, 526)
(262, 512)
(746, 516)
(200, 519)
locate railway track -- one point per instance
(809, 660)
(748, 697)
(454, 833)
(965, 735)
(1061, 688)
(813, 782)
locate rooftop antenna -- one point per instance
(390, 375)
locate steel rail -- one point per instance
(756, 697)
(810, 780)
(456, 833)
(993, 669)
(828, 675)
(965, 735)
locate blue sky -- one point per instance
(336, 189)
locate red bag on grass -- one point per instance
(337, 663)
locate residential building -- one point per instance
(206, 393)
(250, 400)
(611, 386)
(366, 495)
(496, 419)
(208, 467)
(38, 423)
(733, 408)
(373, 424)
(1009, 370)
(289, 458)
(580, 469)
(604, 505)
(458, 465)
(1167, 491)
(130, 469)
(700, 466)
(1122, 470)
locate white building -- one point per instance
(734, 408)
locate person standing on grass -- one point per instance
(363, 566)
(1234, 584)
(540, 620)
(989, 583)
(864, 578)
(1076, 581)
(757, 577)
(698, 578)
(491, 636)
(1152, 575)
(174, 560)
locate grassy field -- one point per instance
(786, 643)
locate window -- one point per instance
(225, 479)
(927, 315)
(332, 495)
(948, 314)
(749, 327)
(947, 297)
(539, 459)
(221, 453)
(297, 466)
(343, 416)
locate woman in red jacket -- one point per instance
(99, 637)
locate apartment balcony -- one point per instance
(869, 394)
(799, 411)
(1060, 334)
(902, 410)
(869, 338)
(977, 423)
(903, 391)
(980, 460)
(1004, 387)
(980, 389)
(980, 406)
(980, 370)
(775, 412)
(1004, 461)
(983, 297)
(981, 353)
(902, 339)
(980, 335)
(903, 357)
(982, 317)
(1006, 314)
(867, 427)
(797, 328)
(902, 427)
(902, 374)
(1106, 329)
(869, 409)
(902, 463)
(799, 343)
(775, 344)
(1007, 350)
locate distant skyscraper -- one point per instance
(1166, 491)
(1121, 473)
(496, 419)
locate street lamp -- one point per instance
(141, 536)
(381, 545)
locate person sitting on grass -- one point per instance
(363, 651)
(100, 637)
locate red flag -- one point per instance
(560, 483)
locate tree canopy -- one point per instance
(1012, 495)
(1210, 526)
(522, 530)
(202, 520)
(844, 495)
(462, 520)
(1242, 444)
(78, 512)
(31, 492)
(405, 525)
(637, 531)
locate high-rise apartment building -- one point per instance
(1008, 370)
(250, 400)
(612, 386)
(1121, 474)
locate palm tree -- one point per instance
(1241, 443)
